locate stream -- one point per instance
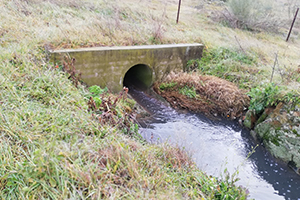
(218, 145)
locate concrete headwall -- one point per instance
(107, 66)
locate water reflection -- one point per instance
(220, 145)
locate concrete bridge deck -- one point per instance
(115, 67)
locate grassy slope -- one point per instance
(50, 145)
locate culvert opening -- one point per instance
(138, 77)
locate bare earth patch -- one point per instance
(212, 96)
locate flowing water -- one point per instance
(217, 145)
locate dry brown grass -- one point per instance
(53, 148)
(214, 96)
(73, 24)
(67, 154)
(263, 45)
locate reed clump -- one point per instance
(206, 94)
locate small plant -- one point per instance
(95, 91)
(164, 86)
(264, 96)
(292, 97)
(188, 91)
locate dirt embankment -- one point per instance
(206, 94)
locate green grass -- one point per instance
(165, 86)
(188, 91)
(51, 146)
(232, 65)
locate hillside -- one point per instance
(52, 147)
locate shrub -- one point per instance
(253, 15)
(264, 96)
(95, 91)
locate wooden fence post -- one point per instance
(178, 11)
(287, 39)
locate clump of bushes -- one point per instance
(262, 97)
(270, 94)
(253, 15)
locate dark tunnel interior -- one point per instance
(138, 77)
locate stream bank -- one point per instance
(277, 128)
(220, 147)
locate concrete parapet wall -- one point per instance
(107, 66)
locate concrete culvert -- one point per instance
(139, 76)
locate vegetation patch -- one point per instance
(61, 140)
(188, 91)
(115, 110)
(232, 65)
(207, 94)
(256, 15)
(164, 86)
(269, 95)
(58, 143)
(263, 97)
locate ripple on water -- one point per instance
(219, 145)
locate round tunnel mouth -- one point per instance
(139, 77)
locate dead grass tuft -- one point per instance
(213, 95)
(177, 158)
(69, 68)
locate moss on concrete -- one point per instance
(107, 66)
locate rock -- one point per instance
(279, 151)
(296, 114)
(254, 135)
(279, 130)
(250, 119)
(296, 118)
(265, 114)
(294, 167)
(263, 130)
(276, 111)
